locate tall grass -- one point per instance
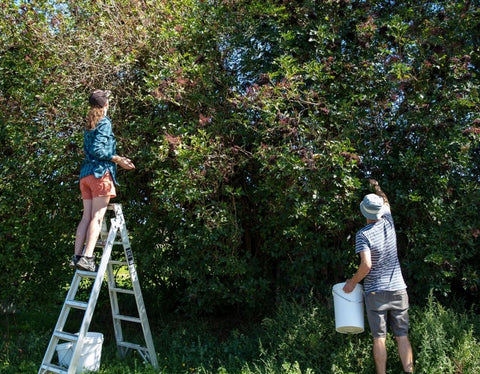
(295, 339)
(445, 340)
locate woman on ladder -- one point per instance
(98, 176)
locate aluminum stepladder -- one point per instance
(117, 228)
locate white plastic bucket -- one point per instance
(90, 356)
(348, 309)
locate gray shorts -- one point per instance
(387, 308)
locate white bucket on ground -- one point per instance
(348, 309)
(90, 356)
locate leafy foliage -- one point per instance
(253, 125)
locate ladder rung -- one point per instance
(87, 274)
(132, 346)
(123, 290)
(127, 318)
(76, 304)
(66, 336)
(51, 368)
(116, 262)
(102, 243)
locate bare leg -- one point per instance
(380, 355)
(405, 352)
(82, 228)
(99, 207)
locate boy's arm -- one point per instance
(362, 271)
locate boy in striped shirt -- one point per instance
(386, 297)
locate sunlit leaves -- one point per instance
(253, 125)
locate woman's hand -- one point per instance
(123, 162)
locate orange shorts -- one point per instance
(91, 187)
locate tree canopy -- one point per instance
(254, 126)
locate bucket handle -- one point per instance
(344, 298)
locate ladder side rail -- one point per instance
(64, 312)
(138, 296)
(97, 285)
(72, 292)
(117, 325)
(47, 359)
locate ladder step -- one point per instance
(87, 274)
(121, 263)
(123, 290)
(127, 318)
(66, 336)
(132, 346)
(76, 304)
(51, 368)
(102, 243)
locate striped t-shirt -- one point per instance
(380, 239)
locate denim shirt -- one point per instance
(99, 145)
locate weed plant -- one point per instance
(295, 339)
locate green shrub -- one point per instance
(298, 338)
(443, 340)
(252, 124)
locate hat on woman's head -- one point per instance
(372, 206)
(99, 98)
